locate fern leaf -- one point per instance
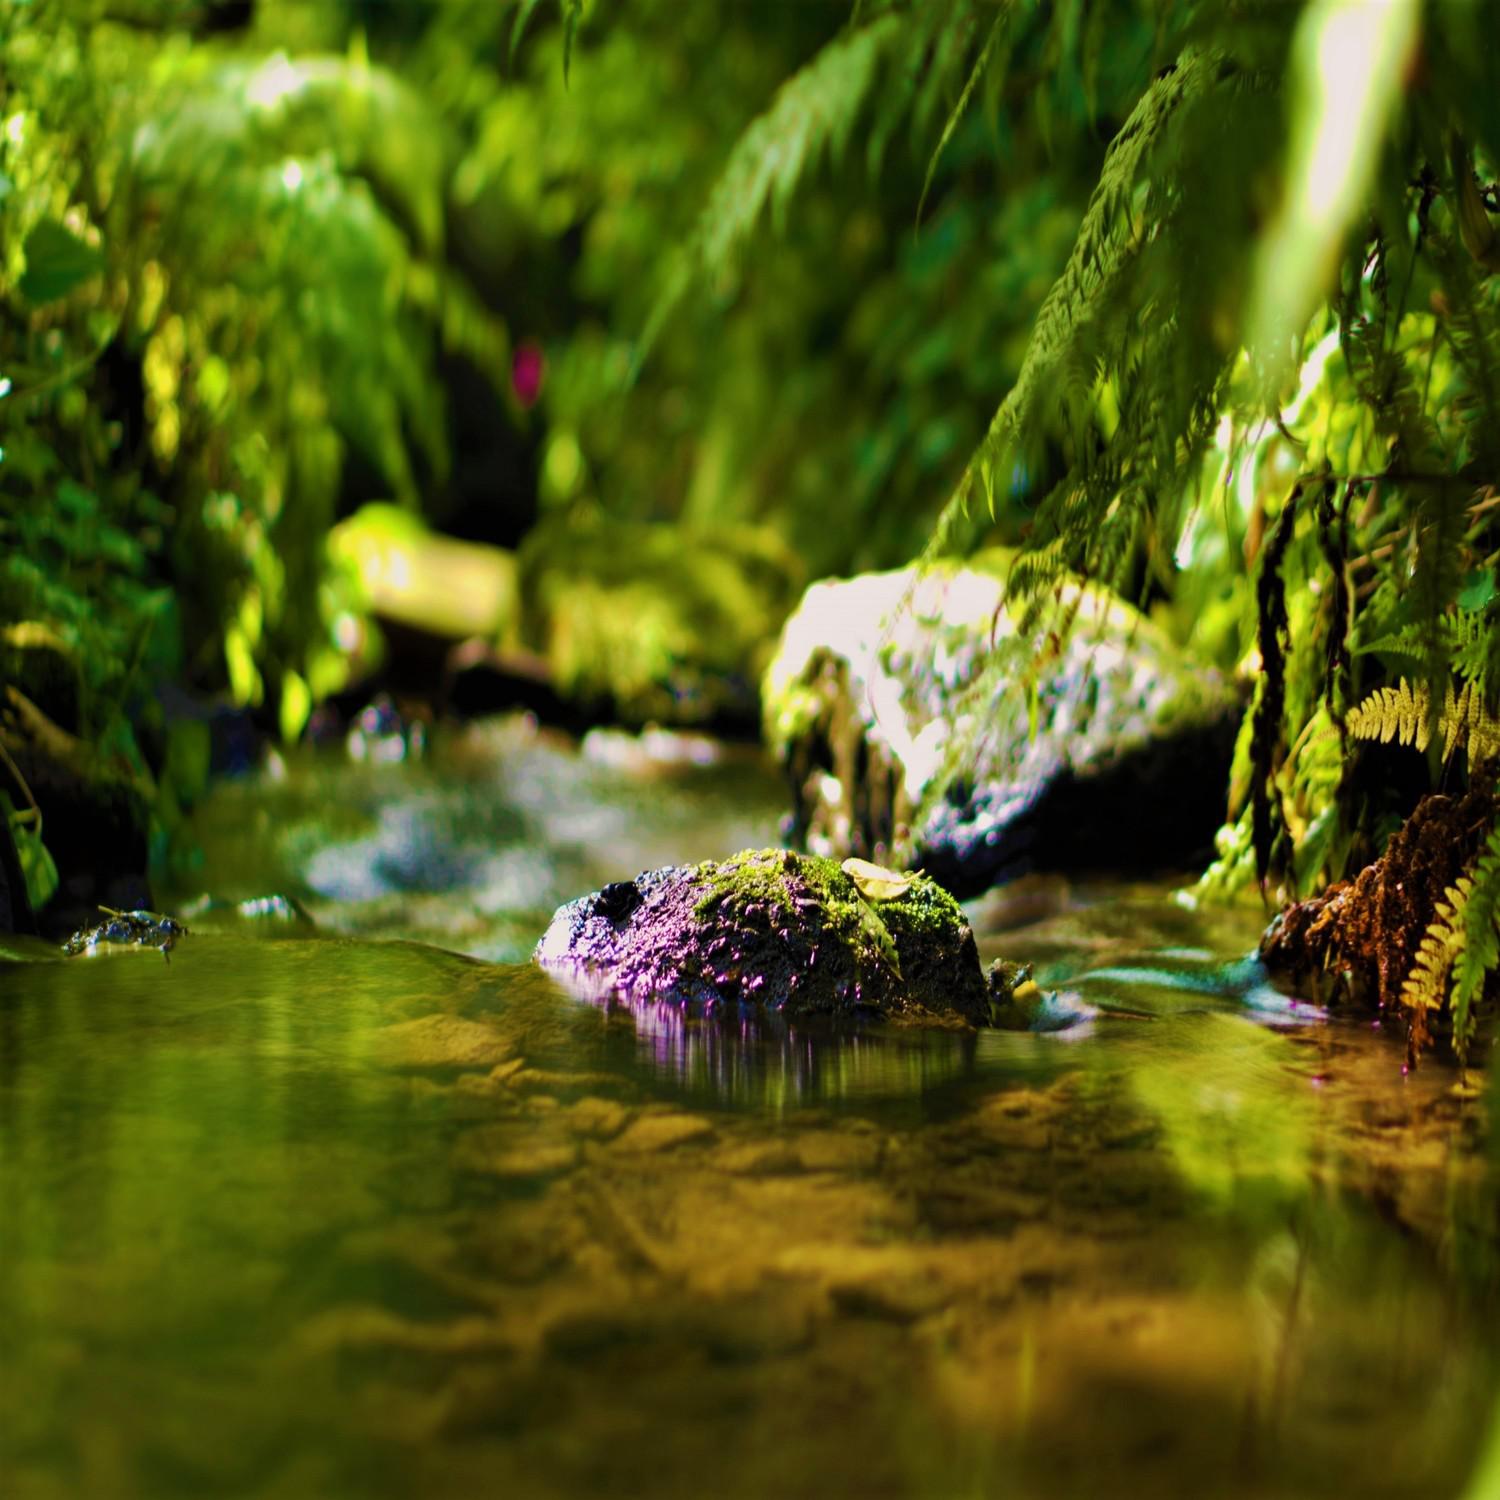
(1426, 986)
(811, 116)
(572, 14)
(524, 12)
(1480, 950)
(1101, 318)
(1403, 713)
(981, 64)
(1393, 713)
(1403, 642)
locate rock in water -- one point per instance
(790, 932)
(923, 723)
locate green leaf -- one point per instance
(997, 30)
(1478, 590)
(524, 12)
(296, 707)
(572, 14)
(1348, 61)
(57, 261)
(37, 867)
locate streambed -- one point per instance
(377, 1209)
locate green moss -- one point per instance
(789, 887)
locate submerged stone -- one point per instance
(793, 933)
(924, 720)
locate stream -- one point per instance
(368, 1206)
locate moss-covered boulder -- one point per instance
(791, 932)
(924, 720)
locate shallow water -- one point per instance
(316, 1215)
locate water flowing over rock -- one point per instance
(789, 932)
(924, 721)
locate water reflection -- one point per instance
(745, 1057)
(317, 1217)
(475, 846)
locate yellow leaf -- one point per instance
(296, 707)
(875, 882)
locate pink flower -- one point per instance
(528, 369)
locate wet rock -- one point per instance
(275, 912)
(443, 1041)
(499, 1151)
(923, 722)
(127, 929)
(598, 1119)
(793, 933)
(664, 1133)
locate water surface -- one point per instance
(321, 1215)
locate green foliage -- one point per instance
(264, 237)
(811, 116)
(1479, 948)
(1283, 285)
(1114, 279)
(57, 260)
(37, 868)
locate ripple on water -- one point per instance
(318, 1217)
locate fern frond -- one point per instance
(1479, 953)
(1123, 328)
(1400, 713)
(572, 14)
(1104, 248)
(1470, 641)
(1477, 728)
(1426, 986)
(1404, 714)
(981, 65)
(811, 117)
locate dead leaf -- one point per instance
(875, 882)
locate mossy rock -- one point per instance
(926, 720)
(790, 932)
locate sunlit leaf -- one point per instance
(296, 706)
(875, 882)
(239, 659)
(1349, 58)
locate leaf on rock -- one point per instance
(875, 882)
